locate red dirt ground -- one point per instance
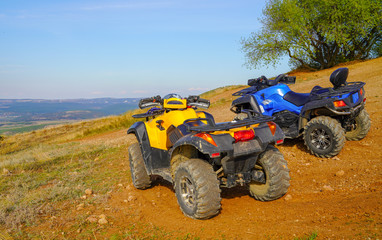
(321, 198)
(337, 198)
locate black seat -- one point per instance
(297, 99)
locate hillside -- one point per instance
(23, 115)
(45, 175)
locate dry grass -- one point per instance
(45, 169)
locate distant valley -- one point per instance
(19, 115)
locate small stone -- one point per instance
(80, 206)
(83, 197)
(327, 188)
(92, 219)
(340, 173)
(125, 201)
(102, 216)
(96, 159)
(120, 185)
(88, 191)
(336, 158)
(6, 171)
(129, 187)
(131, 198)
(288, 197)
(158, 194)
(102, 221)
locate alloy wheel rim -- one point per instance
(320, 139)
(187, 192)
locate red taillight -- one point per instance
(364, 100)
(215, 155)
(360, 92)
(279, 141)
(243, 135)
(272, 126)
(339, 103)
(206, 137)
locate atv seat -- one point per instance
(297, 99)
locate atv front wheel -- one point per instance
(276, 172)
(197, 189)
(324, 136)
(361, 127)
(141, 179)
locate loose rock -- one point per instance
(327, 188)
(80, 206)
(340, 173)
(288, 197)
(102, 221)
(92, 219)
(6, 171)
(88, 191)
(131, 198)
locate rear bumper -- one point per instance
(351, 111)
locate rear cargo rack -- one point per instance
(211, 126)
(320, 93)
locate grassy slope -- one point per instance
(46, 171)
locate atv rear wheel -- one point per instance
(197, 189)
(276, 172)
(141, 179)
(361, 127)
(324, 136)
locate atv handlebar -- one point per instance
(196, 101)
(150, 102)
(192, 101)
(282, 78)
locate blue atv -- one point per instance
(325, 117)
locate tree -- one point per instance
(316, 34)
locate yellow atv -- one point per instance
(197, 155)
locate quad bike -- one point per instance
(187, 148)
(324, 117)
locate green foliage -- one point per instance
(316, 34)
(312, 236)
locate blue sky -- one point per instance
(90, 49)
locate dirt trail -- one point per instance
(339, 198)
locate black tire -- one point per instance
(324, 136)
(276, 171)
(361, 127)
(197, 189)
(141, 179)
